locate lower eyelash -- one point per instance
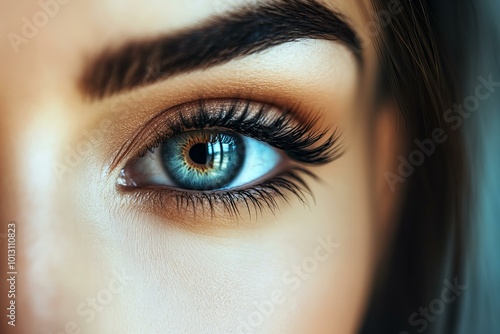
(254, 199)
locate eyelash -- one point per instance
(298, 139)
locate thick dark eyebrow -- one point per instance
(242, 32)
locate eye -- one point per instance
(227, 153)
(204, 160)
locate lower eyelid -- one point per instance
(236, 204)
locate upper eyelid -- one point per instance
(167, 117)
(157, 127)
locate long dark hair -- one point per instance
(419, 73)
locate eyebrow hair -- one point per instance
(234, 34)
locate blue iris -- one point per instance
(203, 160)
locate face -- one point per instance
(169, 171)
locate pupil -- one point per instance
(199, 153)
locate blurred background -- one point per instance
(481, 31)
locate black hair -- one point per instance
(419, 73)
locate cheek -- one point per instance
(302, 270)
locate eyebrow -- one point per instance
(234, 34)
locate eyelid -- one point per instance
(294, 132)
(165, 123)
(160, 200)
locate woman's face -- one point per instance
(212, 229)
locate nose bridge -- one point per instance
(30, 138)
(33, 133)
(12, 204)
(24, 190)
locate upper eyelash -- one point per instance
(299, 141)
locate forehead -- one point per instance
(52, 39)
(97, 23)
(105, 19)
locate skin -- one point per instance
(185, 274)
